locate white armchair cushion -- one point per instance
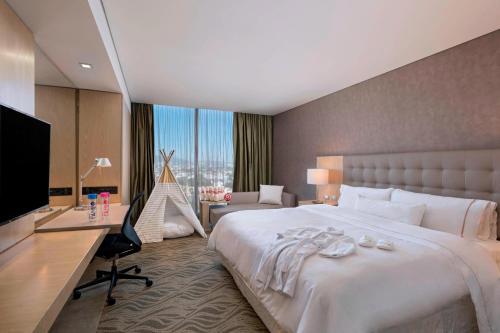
(270, 194)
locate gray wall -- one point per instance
(450, 100)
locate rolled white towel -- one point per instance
(385, 244)
(367, 241)
(342, 247)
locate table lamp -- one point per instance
(99, 162)
(317, 177)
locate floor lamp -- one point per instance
(99, 162)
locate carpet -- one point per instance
(192, 292)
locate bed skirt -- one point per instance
(458, 317)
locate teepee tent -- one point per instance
(167, 210)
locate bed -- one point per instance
(433, 281)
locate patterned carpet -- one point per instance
(192, 292)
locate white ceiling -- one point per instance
(246, 55)
(67, 34)
(47, 73)
(269, 56)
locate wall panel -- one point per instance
(450, 100)
(17, 90)
(17, 62)
(56, 105)
(100, 135)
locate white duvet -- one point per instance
(371, 289)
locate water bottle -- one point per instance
(104, 204)
(92, 206)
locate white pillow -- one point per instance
(494, 225)
(442, 213)
(349, 195)
(177, 226)
(270, 194)
(401, 212)
(480, 220)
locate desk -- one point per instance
(78, 220)
(42, 217)
(37, 276)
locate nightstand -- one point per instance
(311, 202)
(205, 212)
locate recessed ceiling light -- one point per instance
(86, 66)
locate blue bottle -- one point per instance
(92, 206)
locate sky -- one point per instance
(174, 129)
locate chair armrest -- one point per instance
(244, 198)
(288, 199)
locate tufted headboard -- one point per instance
(463, 173)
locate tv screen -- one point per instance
(24, 164)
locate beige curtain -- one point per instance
(141, 154)
(252, 140)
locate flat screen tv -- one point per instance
(24, 164)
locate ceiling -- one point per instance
(269, 56)
(47, 73)
(252, 56)
(66, 34)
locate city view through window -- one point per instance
(179, 128)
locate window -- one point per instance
(215, 148)
(203, 144)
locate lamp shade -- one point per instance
(317, 176)
(102, 162)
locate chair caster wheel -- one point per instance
(111, 301)
(76, 294)
(137, 270)
(149, 283)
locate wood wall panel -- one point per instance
(58, 107)
(100, 135)
(335, 167)
(17, 62)
(17, 90)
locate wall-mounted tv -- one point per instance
(24, 164)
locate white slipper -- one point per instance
(366, 241)
(385, 244)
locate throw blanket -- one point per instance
(372, 289)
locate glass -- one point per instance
(175, 129)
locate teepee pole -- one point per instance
(164, 155)
(170, 155)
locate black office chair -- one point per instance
(113, 247)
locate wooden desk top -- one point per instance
(78, 220)
(42, 217)
(37, 276)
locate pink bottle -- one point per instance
(104, 203)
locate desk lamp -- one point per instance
(99, 162)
